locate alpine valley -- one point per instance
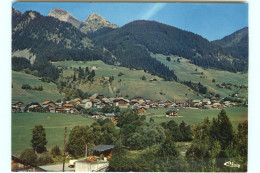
(143, 97)
(179, 60)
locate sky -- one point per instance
(210, 20)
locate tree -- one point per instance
(222, 130)
(39, 139)
(186, 133)
(91, 75)
(143, 77)
(55, 151)
(167, 149)
(242, 136)
(29, 157)
(168, 58)
(146, 136)
(76, 145)
(172, 130)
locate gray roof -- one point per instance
(102, 147)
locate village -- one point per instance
(96, 102)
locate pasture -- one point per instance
(129, 84)
(190, 72)
(54, 125)
(195, 116)
(49, 92)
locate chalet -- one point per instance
(139, 100)
(86, 103)
(52, 109)
(16, 106)
(100, 96)
(182, 103)
(161, 104)
(168, 103)
(33, 107)
(145, 105)
(217, 105)
(60, 109)
(94, 67)
(96, 115)
(154, 104)
(206, 102)
(50, 103)
(66, 108)
(95, 102)
(121, 102)
(171, 113)
(196, 103)
(207, 106)
(102, 149)
(227, 103)
(107, 101)
(68, 105)
(94, 96)
(142, 111)
(46, 108)
(76, 101)
(112, 116)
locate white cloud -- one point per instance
(154, 10)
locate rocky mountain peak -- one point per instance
(95, 16)
(60, 14)
(64, 16)
(95, 22)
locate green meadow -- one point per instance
(22, 123)
(190, 72)
(130, 85)
(54, 124)
(49, 92)
(195, 116)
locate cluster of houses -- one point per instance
(100, 101)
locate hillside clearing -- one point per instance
(49, 92)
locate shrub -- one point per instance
(55, 151)
(26, 86)
(29, 157)
(44, 159)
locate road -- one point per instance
(57, 168)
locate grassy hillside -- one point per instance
(131, 83)
(54, 124)
(186, 72)
(49, 92)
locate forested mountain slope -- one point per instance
(143, 36)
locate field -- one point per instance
(54, 124)
(22, 123)
(131, 83)
(195, 116)
(49, 92)
(187, 72)
(160, 90)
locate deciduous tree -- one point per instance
(38, 140)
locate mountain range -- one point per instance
(60, 36)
